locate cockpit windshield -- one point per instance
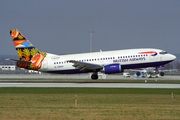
(163, 52)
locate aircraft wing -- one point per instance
(83, 66)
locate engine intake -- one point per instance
(112, 68)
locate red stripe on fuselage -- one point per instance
(149, 52)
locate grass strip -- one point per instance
(88, 90)
(93, 103)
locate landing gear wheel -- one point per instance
(162, 73)
(138, 73)
(94, 76)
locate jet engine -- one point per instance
(112, 68)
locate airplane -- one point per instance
(108, 62)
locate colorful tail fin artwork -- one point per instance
(29, 56)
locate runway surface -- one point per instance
(78, 76)
(93, 85)
(49, 77)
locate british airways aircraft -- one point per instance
(108, 62)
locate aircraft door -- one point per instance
(151, 56)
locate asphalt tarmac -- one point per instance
(78, 76)
(93, 85)
(5, 77)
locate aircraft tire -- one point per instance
(94, 77)
(162, 73)
(138, 73)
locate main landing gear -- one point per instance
(94, 76)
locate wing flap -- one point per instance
(83, 66)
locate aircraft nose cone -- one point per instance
(173, 57)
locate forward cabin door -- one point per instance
(151, 57)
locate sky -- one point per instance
(63, 26)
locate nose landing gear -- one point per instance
(158, 73)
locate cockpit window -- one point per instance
(163, 52)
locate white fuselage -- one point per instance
(128, 59)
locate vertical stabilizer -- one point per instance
(26, 51)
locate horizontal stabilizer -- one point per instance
(19, 61)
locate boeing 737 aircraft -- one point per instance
(108, 62)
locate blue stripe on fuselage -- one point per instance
(144, 65)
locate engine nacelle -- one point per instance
(112, 68)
